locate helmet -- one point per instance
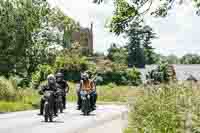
(59, 76)
(85, 76)
(51, 79)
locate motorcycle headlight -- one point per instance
(83, 98)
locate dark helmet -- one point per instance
(59, 76)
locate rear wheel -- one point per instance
(50, 118)
(46, 118)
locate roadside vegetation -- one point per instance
(166, 108)
(14, 98)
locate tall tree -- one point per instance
(139, 49)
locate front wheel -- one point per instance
(61, 108)
(85, 107)
(46, 112)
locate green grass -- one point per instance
(109, 93)
(26, 99)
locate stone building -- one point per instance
(85, 38)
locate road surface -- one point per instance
(107, 118)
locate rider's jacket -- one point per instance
(87, 85)
(47, 88)
(62, 85)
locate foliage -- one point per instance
(20, 19)
(41, 75)
(64, 24)
(29, 33)
(163, 73)
(127, 12)
(190, 59)
(118, 74)
(71, 63)
(166, 108)
(7, 89)
(139, 50)
(117, 54)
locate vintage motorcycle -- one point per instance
(49, 105)
(86, 106)
(59, 100)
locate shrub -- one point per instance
(72, 65)
(133, 76)
(7, 89)
(41, 74)
(163, 73)
(120, 75)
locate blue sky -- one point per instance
(178, 33)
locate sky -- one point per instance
(178, 33)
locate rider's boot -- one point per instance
(64, 102)
(41, 107)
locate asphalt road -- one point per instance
(71, 121)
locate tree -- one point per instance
(64, 24)
(190, 59)
(19, 19)
(27, 31)
(172, 59)
(139, 50)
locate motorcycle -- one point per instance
(59, 100)
(86, 106)
(48, 106)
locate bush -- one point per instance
(7, 89)
(162, 74)
(120, 75)
(72, 65)
(133, 76)
(41, 74)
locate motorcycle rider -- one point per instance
(62, 84)
(94, 93)
(86, 85)
(51, 85)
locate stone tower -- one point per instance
(85, 37)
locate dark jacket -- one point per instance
(63, 85)
(46, 88)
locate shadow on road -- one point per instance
(54, 122)
(88, 115)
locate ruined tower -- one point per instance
(85, 38)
